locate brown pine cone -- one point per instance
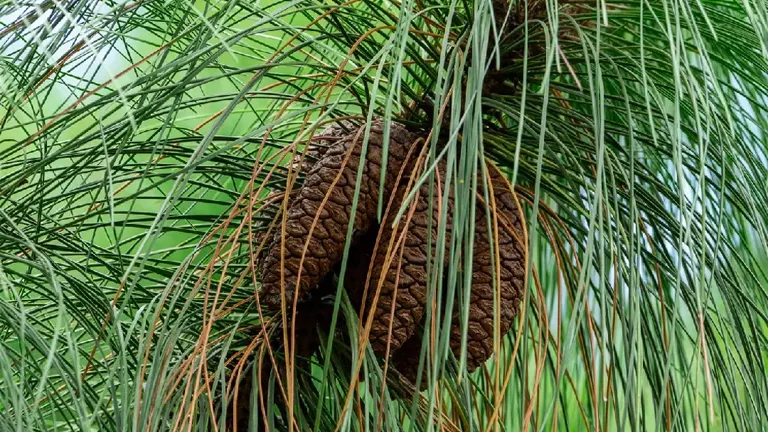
(332, 177)
(320, 143)
(509, 272)
(317, 148)
(405, 278)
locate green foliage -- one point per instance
(141, 144)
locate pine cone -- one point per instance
(511, 275)
(320, 143)
(327, 194)
(509, 272)
(398, 265)
(405, 277)
(316, 149)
